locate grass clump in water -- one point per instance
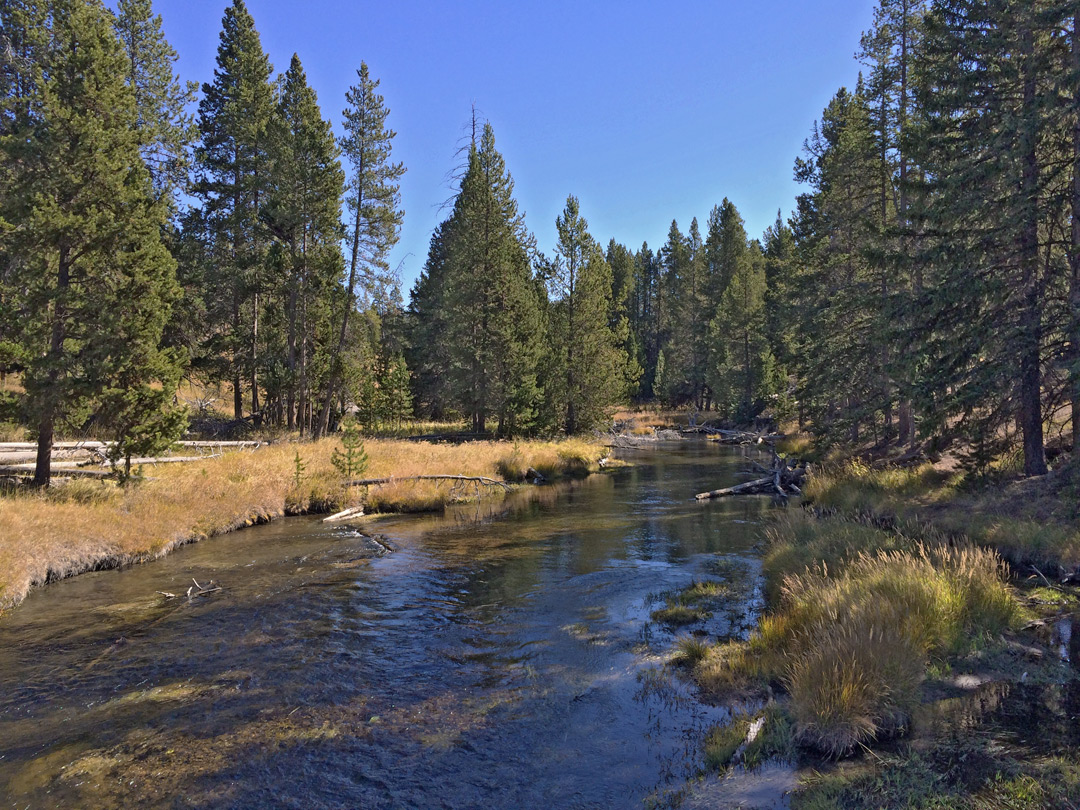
(849, 637)
(690, 650)
(750, 740)
(692, 604)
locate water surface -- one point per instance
(499, 655)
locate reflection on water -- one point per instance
(501, 655)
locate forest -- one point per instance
(924, 290)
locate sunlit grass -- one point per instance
(857, 615)
(854, 487)
(81, 525)
(691, 604)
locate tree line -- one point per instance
(926, 286)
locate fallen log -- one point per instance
(781, 478)
(476, 479)
(344, 514)
(28, 469)
(79, 445)
(164, 459)
(750, 487)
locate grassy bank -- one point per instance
(1028, 521)
(857, 616)
(902, 606)
(85, 525)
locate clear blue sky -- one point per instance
(647, 112)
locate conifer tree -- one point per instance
(87, 282)
(165, 125)
(624, 296)
(232, 163)
(745, 372)
(303, 213)
(988, 170)
(836, 227)
(429, 353)
(373, 199)
(593, 362)
(492, 301)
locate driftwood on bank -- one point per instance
(89, 458)
(781, 478)
(475, 479)
(82, 472)
(743, 436)
(345, 514)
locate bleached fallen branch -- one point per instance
(476, 479)
(345, 514)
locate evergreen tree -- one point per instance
(429, 353)
(373, 199)
(303, 213)
(166, 127)
(621, 318)
(492, 300)
(836, 232)
(745, 373)
(87, 282)
(986, 85)
(232, 164)
(593, 367)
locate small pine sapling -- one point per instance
(351, 460)
(298, 470)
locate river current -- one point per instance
(499, 655)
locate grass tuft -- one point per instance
(857, 615)
(690, 650)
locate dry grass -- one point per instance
(641, 421)
(81, 525)
(852, 630)
(1028, 522)
(855, 488)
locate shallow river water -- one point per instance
(500, 655)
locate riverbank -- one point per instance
(915, 628)
(90, 525)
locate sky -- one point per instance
(647, 112)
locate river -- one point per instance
(499, 655)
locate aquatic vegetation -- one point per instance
(750, 739)
(689, 650)
(692, 604)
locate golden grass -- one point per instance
(81, 525)
(852, 631)
(1021, 522)
(643, 420)
(854, 487)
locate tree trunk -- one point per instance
(46, 423)
(335, 362)
(907, 411)
(1074, 256)
(1030, 323)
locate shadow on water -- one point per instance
(500, 655)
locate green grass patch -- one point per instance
(690, 650)
(855, 488)
(952, 774)
(692, 604)
(722, 742)
(750, 740)
(678, 615)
